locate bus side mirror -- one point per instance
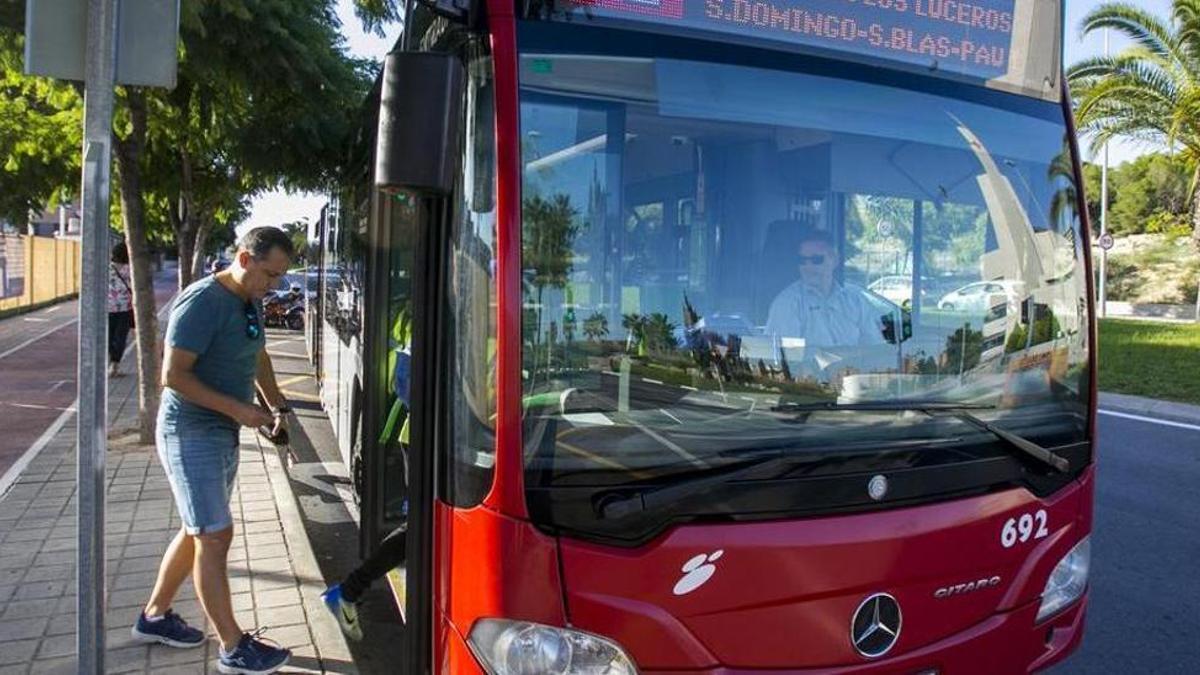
(419, 117)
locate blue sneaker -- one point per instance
(344, 611)
(169, 630)
(253, 656)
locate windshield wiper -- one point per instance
(1046, 455)
(957, 410)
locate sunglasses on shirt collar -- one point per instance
(253, 329)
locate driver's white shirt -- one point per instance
(842, 318)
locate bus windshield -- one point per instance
(717, 255)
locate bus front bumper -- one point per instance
(1003, 644)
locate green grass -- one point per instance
(1145, 358)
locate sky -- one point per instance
(277, 207)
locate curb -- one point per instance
(1150, 407)
(327, 636)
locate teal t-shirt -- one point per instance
(210, 321)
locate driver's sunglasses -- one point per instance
(253, 329)
(818, 259)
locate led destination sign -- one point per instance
(973, 38)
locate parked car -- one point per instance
(897, 288)
(977, 296)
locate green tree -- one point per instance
(635, 332)
(375, 14)
(298, 233)
(549, 232)
(963, 350)
(41, 126)
(1150, 187)
(659, 333)
(1092, 181)
(254, 109)
(1151, 90)
(265, 98)
(595, 327)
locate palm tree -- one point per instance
(1151, 90)
(635, 325)
(595, 326)
(659, 332)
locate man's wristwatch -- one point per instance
(281, 410)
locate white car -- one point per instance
(979, 296)
(897, 288)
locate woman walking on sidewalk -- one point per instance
(120, 307)
(215, 357)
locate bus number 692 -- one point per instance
(1021, 529)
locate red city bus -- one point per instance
(719, 336)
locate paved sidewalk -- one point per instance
(274, 576)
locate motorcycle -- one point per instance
(285, 310)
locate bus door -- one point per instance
(429, 356)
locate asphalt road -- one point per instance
(39, 354)
(1145, 552)
(37, 375)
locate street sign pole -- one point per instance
(92, 429)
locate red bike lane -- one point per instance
(38, 375)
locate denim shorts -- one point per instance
(201, 465)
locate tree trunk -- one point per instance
(185, 240)
(129, 153)
(203, 229)
(184, 221)
(1196, 208)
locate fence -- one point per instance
(36, 270)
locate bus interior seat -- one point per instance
(777, 265)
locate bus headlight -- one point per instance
(524, 648)
(1068, 580)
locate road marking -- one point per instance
(299, 396)
(696, 461)
(1150, 420)
(284, 355)
(37, 319)
(33, 406)
(291, 380)
(604, 461)
(36, 338)
(14, 471)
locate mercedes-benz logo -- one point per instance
(876, 625)
(878, 487)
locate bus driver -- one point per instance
(817, 308)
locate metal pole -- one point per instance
(91, 431)
(1104, 219)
